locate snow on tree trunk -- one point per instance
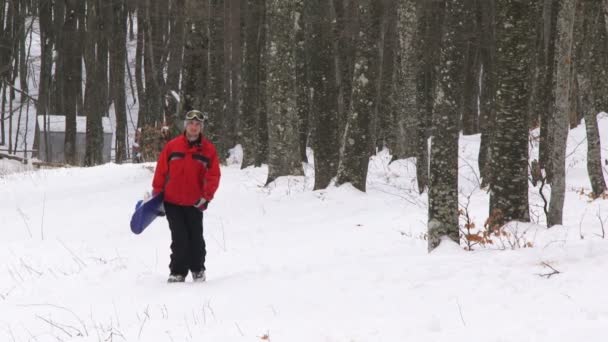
(443, 185)
(357, 145)
(509, 186)
(283, 155)
(565, 29)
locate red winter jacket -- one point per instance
(187, 171)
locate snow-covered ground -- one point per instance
(289, 264)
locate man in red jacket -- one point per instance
(188, 172)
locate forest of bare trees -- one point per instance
(345, 78)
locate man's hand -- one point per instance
(201, 204)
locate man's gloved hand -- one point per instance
(201, 204)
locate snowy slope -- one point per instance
(289, 264)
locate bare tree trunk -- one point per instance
(591, 67)
(472, 68)
(547, 96)
(509, 187)
(175, 65)
(236, 72)
(565, 28)
(118, 53)
(303, 28)
(252, 82)
(324, 104)
(217, 98)
(196, 56)
(443, 185)
(385, 105)
(70, 81)
(143, 112)
(57, 97)
(94, 100)
(428, 42)
(404, 128)
(283, 155)
(487, 96)
(357, 144)
(344, 55)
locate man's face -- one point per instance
(193, 127)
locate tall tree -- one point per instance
(324, 103)
(509, 187)
(546, 101)
(236, 68)
(217, 98)
(252, 80)
(357, 144)
(404, 130)
(176, 42)
(470, 46)
(283, 155)
(196, 56)
(70, 80)
(591, 76)
(118, 52)
(428, 42)
(487, 96)
(385, 104)
(99, 16)
(443, 185)
(303, 69)
(565, 28)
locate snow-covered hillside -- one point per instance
(289, 264)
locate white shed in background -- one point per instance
(54, 130)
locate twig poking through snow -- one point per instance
(460, 311)
(548, 275)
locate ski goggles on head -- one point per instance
(196, 115)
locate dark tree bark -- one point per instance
(96, 56)
(509, 187)
(196, 56)
(324, 104)
(215, 129)
(386, 105)
(560, 125)
(70, 80)
(546, 101)
(470, 45)
(404, 127)
(235, 72)
(252, 81)
(57, 97)
(428, 42)
(357, 144)
(283, 155)
(176, 43)
(142, 116)
(591, 77)
(487, 96)
(118, 54)
(303, 68)
(443, 185)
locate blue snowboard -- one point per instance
(145, 212)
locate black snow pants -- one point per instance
(187, 243)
